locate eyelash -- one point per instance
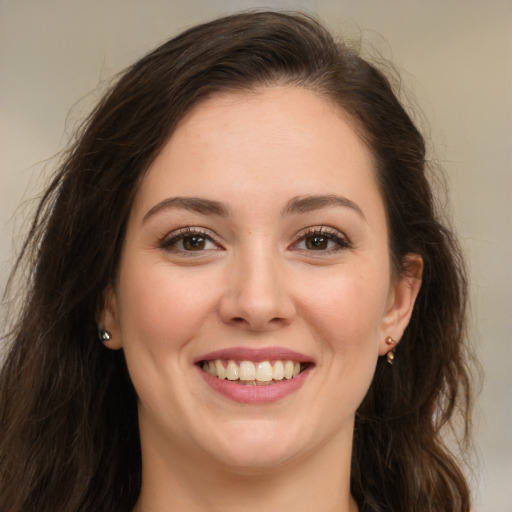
(170, 241)
(328, 234)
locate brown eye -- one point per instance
(317, 242)
(322, 240)
(194, 243)
(187, 241)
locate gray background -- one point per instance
(455, 56)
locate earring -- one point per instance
(391, 354)
(104, 335)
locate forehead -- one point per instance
(276, 114)
(275, 139)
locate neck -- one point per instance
(179, 481)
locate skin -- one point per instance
(256, 282)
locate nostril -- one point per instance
(239, 320)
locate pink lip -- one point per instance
(255, 355)
(255, 394)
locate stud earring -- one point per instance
(104, 335)
(391, 354)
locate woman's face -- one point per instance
(256, 248)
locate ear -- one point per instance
(401, 301)
(108, 319)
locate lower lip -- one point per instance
(255, 394)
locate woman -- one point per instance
(245, 223)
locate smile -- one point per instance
(249, 373)
(255, 375)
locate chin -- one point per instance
(256, 447)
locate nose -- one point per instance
(257, 296)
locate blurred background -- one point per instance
(455, 56)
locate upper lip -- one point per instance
(255, 355)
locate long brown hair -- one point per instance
(69, 439)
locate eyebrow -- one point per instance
(305, 204)
(296, 205)
(193, 204)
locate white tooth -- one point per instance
(296, 369)
(232, 370)
(213, 369)
(247, 370)
(221, 371)
(264, 371)
(205, 367)
(288, 370)
(278, 370)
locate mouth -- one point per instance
(255, 376)
(254, 373)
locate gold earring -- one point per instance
(391, 354)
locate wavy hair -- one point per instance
(69, 438)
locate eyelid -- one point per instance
(332, 233)
(171, 238)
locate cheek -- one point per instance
(162, 307)
(348, 308)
